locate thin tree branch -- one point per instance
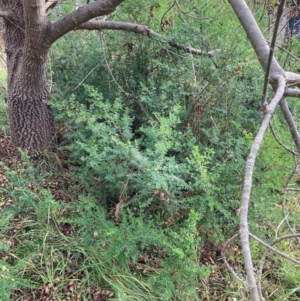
(279, 142)
(244, 229)
(282, 254)
(283, 200)
(162, 17)
(223, 253)
(263, 259)
(271, 52)
(285, 50)
(115, 25)
(107, 64)
(279, 225)
(81, 82)
(143, 30)
(82, 15)
(191, 16)
(291, 123)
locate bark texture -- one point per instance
(26, 32)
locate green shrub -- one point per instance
(156, 167)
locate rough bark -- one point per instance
(31, 119)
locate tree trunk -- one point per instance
(31, 121)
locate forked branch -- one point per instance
(82, 15)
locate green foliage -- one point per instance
(204, 101)
(157, 167)
(156, 140)
(170, 257)
(181, 263)
(136, 259)
(143, 110)
(7, 281)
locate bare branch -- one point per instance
(192, 50)
(292, 92)
(279, 142)
(280, 224)
(85, 77)
(282, 254)
(288, 52)
(223, 253)
(244, 229)
(114, 25)
(284, 196)
(291, 123)
(263, 259)
(82, 15)
(191, 16)
(144, 30)
(271, 52)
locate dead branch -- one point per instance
(263, 258)
(223, 253)
(279, 142)
(282, 254)
(288, 52)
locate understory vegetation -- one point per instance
(143, 190)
